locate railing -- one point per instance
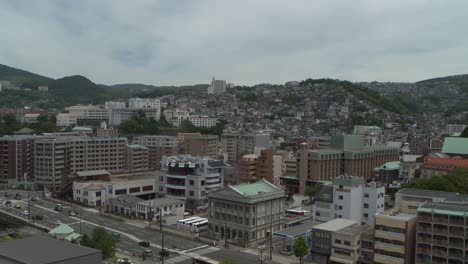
(440, 231)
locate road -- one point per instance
(88, 219)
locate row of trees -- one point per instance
(455, 181)
(140, 124)
(187, 127)
(9, 124)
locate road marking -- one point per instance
(193, 249)
(47, 209)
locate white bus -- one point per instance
(200, 226)
(189, 224)
(183, 221)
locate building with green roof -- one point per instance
(245, 214)
(456, 146)
(64, 232)
(389, 172)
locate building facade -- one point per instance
(203, 145)
(16, 158)
(158, 146)
(136, 158)
(88, 112)
(441, 166)
(144, 103)
(246, 214)
(51, 161)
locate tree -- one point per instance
(228, 261)
(102, 240)
(312, 190)
(188, 127)
(464, 133)
(300, 248)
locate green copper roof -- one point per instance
(62, 229)
(82, 129)
(391, 165)
(72, 237)
(135, 146)
(455, 145)
(251, 189)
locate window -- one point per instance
(337, 241)
(161, 178)
(98, 194)
(148, 188)
(366, 195)
(341, 186)
(340, 207)
(365, 215)
(340, 216)
(191, 193)
(366, 205)
(161, 188)
(340, 197)
(121, 191)
(191, 182)
(202, 183)
(347, 243)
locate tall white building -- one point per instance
(114, 105)
(88, 112)
(217, 87)
(350, 198)
(66, 120)
(144, 103)
(453, 128)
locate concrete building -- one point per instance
(144, 103)
(217, 87)
(43, 249)
(409, 165)
(441, 166)
(87, 154)
(158, 146)
(172, 210)
(114, 105)
(136, 158)
(124, 205)
(441, 233)
(66, 120)
(116, 116)
(51, 161)
(351, 198)
(88, 112)
(451, 129)
(107, 132)
(96, 193)
(322, 239)
(246, 214)
(371, 134)
(408, 200)
(367, 247)
(229, 147)
(190, 179)
(31, 118)
(203, 145)
(16, 158)
(246, 168)
(347, 156)
(388, 172)
(203, 120)
(394, 237)
(237, 145)
(347, 244)
(279, 169)
(264, 168)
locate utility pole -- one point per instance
(271, 229)
(162, 235)
(81, 211)
(29, 207)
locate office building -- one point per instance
(246, 214)
(136, 158)
(322, 239)
(237, 145)
(348, 155)
(203, 120)
(246, 168)
(190, 179)
(16, 158)
(350, 198)
(202, 145)
(114, 105)
(394, 237)
(66, 120)
(144, 103)
(87, 154)
(229, 147)
(217, 87)
(442, 233)
(408, 200)
(158, 146)
(43, 249)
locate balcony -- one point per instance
(440, 231)
(456, 243)
(426, 219)
(177, 187)
(387, 259)
(390, 235)
(459, 221)
(423, 250)
(439, 253)
(440, 242)
(390, 247)
(441, 220)
(457, 232)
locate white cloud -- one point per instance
(187, 42)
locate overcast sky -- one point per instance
(242, 41)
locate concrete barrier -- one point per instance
(16, 220)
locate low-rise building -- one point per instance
(124, 204)
(456, 146)
(409, 165)
(246, 214)
(170, 209)
(66, 120)
(88, 112)
(441, 166)
(408, 200)
(347, 244)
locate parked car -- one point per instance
(8, 203)
(38, 217)
(17, 206)
(18, 196)
(116, 237)
(147, 252)
(58, 208)
(144, 243)
(35, 199)
(26, 212)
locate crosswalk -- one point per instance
(191, 254)
(251, 251)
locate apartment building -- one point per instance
(114, 105)
(246, 214)
(433, 166)
(394, 237)
(246, 168)
(87, 154)
(350, 198)
(347, 244)
(367, 247)
(217, 87)
(136, 158)
(66, 120)
(190, 179)
(236, 145)
(442, 233)
(229, 147)
(322, 239)
(203, 120)
(203, 145)
(347, 155)
(408, 200)
(158, 146)
(51, 161)
(144, 103)
(88, 112)
(409, 165)
(16, 158)
(451, 129)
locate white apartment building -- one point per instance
(351, 198)
(114, 105)
(190, 179)
(203, 120)
(88, 112)
(66, 120)
(144, 103)
(217, 87)
(454, 128)
(156, 141)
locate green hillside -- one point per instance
(22, 78)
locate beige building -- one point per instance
(246, 214)
(158, 146)
(394, 237)
(136, 158)
(202, 145)
(51, 161)
(88, 112)
(346, 244)
(408, 200)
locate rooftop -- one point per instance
(251, 189)
(160, 202)
(391, 165)
(296, 231)
(396, 214)
(448, 196)
(336, 224)
(447, 161)
(41, 250)
(455, 145)
(444, 208)
(355, 230)
(125, 199)
(348, 180)
(78, 128)
(92, 173)
(136, 146)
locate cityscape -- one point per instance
(228, 171)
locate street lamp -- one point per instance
(163, 252)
